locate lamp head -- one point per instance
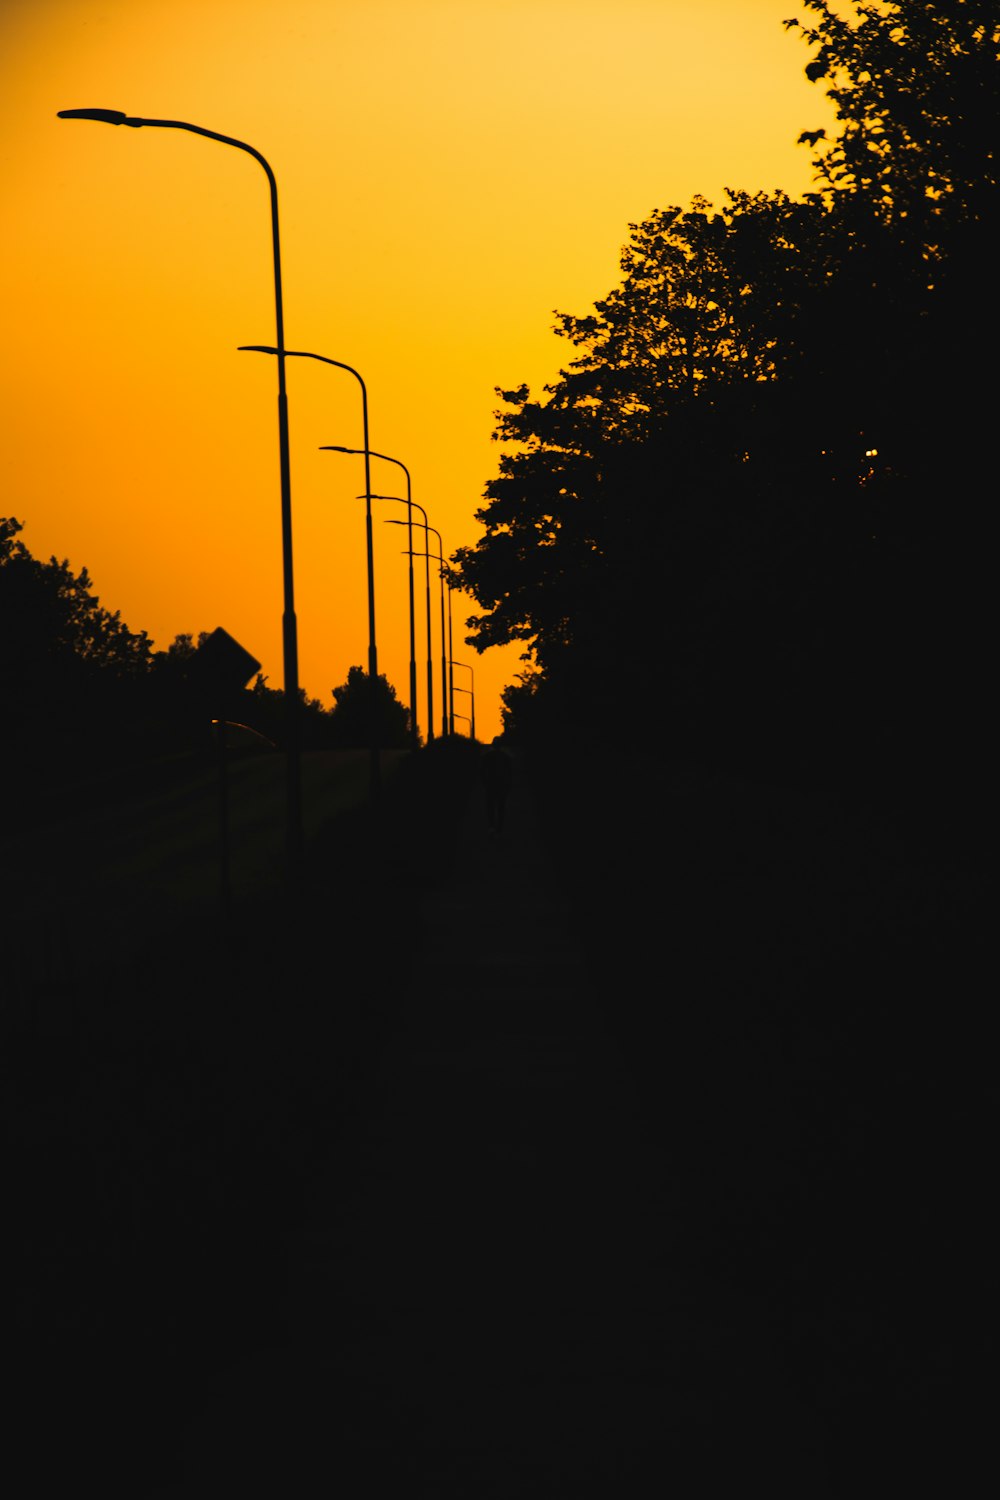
(336, 448)
(256, 349)
(107, 116)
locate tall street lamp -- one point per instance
(409, 503)
(451, 668)
(456, 715)
(288, 622)
(376, 775)
(335, 448)
(445, 648)
(427, 596)
(471, 690)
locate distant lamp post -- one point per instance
(289, 627)
(445, 644)
(409, 503)
(376, 773)
(413, 666)
(471, 690)
(439, 555)
(427, 597)
(451, 668)
(457, 715)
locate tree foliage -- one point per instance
(263, 708)
(760, 466)
(361, 705)
(51, 611)
(915, 86)
(67, 665)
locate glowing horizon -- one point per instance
(448, 174)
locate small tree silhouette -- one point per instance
(353, 709)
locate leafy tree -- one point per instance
(263, 708)
(355, 702)
(668, 394)
(915, 84)
(765, 459)
(52, 611)
(70, 670)
(700, 308)
(182, 648)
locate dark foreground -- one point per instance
(641, 1145)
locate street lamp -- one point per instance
(335, 448)
(447, 725)
(470, 690)
(445, 646)
(376, 776)
(427, 597)
(456, 715)
(288, 622)
(451, 670)
(409, 503)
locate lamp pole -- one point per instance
(451, 669)
(427, 596)
(470, 690)
(289, 629)
(468, 719)
(409, 503)
(375, 762)
(446, 644)
(445, 650)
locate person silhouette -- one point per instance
(497, 773)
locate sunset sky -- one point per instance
(449, 173)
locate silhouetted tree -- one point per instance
(916, 87)
(671, 364)
(263, 708)
(739, 498)
(913, 177)
(70, 669)
(351, 717)
(49, 608)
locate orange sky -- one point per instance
(449, 172)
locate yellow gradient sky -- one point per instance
(449, 172)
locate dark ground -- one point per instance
(643, 1145)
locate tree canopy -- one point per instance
(50, 610)
(915, 87)
(351, 718)
(729, 514)
(67, 664)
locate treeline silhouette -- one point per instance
(747, 519)
(82, 692)
(743, 540)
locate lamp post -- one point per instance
(445, 647)
(409, 503)
(445, 707)
(451, 669)
(468, 719)
(427, 598)
(335, 448)
(288, 623)
(375, 763)
(470, 690)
